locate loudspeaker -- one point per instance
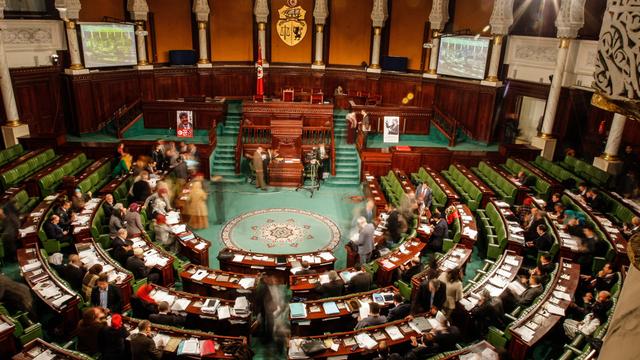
(182, 57)
(394, 63)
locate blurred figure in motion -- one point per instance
(273, 312)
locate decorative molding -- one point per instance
(69, 9)
(379, 13)
(534, 51)
(201, 9)
(501, 17)
(3, 5)
(439, 14)
(320, 12)
(33, 35)
(570, 18)
(138, 9)
(261, 11)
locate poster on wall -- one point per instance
(391, 129)
(184, 120)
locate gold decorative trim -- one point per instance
(14, 123)
(431, 71)
(377, 30)
(375, 66)
(202, 25)
(435, 34)
(70, 24)
(564, 43)
(142, 62)
(609, 157)
(319, 28)
(492, 78)
(497, 40)
(546, 136)
(203, 61)
(318, 62)
(76, 67)
(262, 26)
(628, 108)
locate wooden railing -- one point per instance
(446, 124)
(123, 118)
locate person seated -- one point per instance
(604, 279)
(142, 304)
(555, 198)
(440, 339)
(142, 344)
(112, 339)
(116, 221)
(533, 289)
(361, 281)
(400, 309)
(544, 268)
(164, 317)
(73, 272)
(141, 189)
(596, 315)
(542, 243)
(440, 232)
(106, 295)
(90, 280)
(163, 233)
(488, 312)
(431, 297)
(373, 319)
(305, 269)
(537, 218)
(335, 286)
(595, 201)
(78, 199)
(133, 222)
(53, 230)
(407, 271)
(384, 353)
(633, 228)
(88, 330)
(575, 223)
(66, 215)
(521, 177)
(107, 206)
(583, 190)
(558, 212)
(121, 247)
(135, 264)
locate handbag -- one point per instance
(312, 347)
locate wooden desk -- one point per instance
(162, 113)
(451, 193)
(540, 318)
(150, 250)
(405, 181)
(39, 346)
(522, 190)
(318, 321)
(91, 253)
(568, 246)
(217, 283)
(484, 188)
(33, 221)
(468, 226)
(482, 347)
(303, 285)
(556, 186)
(402, 255)
(192, 246)
(456, 258)
(614, 236)
(251, 263)
(373, 191)
(81, 227)
(64, 303)
(286, 173)
(515, 233)
(413, 119)
(191, 304)
(173, 332)
(7, 341)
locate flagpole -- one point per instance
(260, 78)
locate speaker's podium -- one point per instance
(286, 137)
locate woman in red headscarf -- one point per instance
(163, 233)
(112, 338)
(143, 304)
(134, 221)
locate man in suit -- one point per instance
(369, 211)
(64, 213)
(142, 345)
(107, 206)
(135, 264)
(361, 281)
(364, 242)
(430, 298)
(530, 293)
(400, 308)
(106, 295)
(373, 319)
(440, 232)
(164, 317)
(258, 166)
(489, 311)
(335, 286)
(424, 195)
(305, 269)
(531, 232)
(74, 272)
(394, 223)
(544, 268)
(542, 243)
(53, 230)
(122, 248)
(595, 201)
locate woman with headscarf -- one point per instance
(163, 233)
(133, 220)
(143, 304)
(112, 338)
(197, 205)
(89, 280)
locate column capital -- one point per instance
(570, 18)
(138, 9)
(501, 17)
(439, 14)
(261, 11)
(379, 13)
(320, 12)
(201, 10)
(68, 9)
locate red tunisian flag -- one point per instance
(260, 74)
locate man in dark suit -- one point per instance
(142, 345)
(542, 243)
(393, 223)
(400, 308)
(440, 231)
(595, 201)
(164, 317)
(107, 206)
(53, 230)
(360, 282)
(106, 295)
(122, 248)
(373, 319)
(531, 231)
(64, 213)
(489, 311)
(135, 264)
(335, 286)
(305, 269)
(544, 268)
(141, 189)
(424, 195)
(430, 298)
(74, 272)
(531, 293)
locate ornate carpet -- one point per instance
(280, 231)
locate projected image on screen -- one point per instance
(463, 56)
(106, 44)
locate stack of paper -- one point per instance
(393, 332)
(365, 341)
(324, 279)
(180, 305)
(199, 275)
(330, 308)
(210, 306)
(298, 310)
(224, 312)
(190, 347)
(247, 283)
(241, 306)
(161, 340)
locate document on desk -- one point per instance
(199, 275)
(365, 341)
(161, 340)
(516, 287)
(554, 309)
(330, 308)
(46, 355)
(61, 300)
(224, 312)
(247, 283)
(324, 279)
(562, 295)
(525, 333)
(393, 332)
(238, 258)
(511, 260)
(190, 347)
(179, 228)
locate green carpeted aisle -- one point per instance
(434, 139)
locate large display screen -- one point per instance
(463, 56)
(108, 44)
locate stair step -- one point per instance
(225, 172)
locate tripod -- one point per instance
(311, 172)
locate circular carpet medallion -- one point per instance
(280, 231)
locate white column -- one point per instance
(433, 57)
(141, 44)
(262, 41)
(494, 62)
(555, 88)
(318, 63)
(13, 129)
(138, 10)
(609, 161)
(76, 66)
(375, 51)
(203, 61)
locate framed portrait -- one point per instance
(184, 123)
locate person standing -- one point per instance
(365, 127)
(197, 205)
(364, 242)
(258, 166)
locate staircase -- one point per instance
(223, 158)
(347, 161)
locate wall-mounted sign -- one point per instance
(291, 27)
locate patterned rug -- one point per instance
(280, 231)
